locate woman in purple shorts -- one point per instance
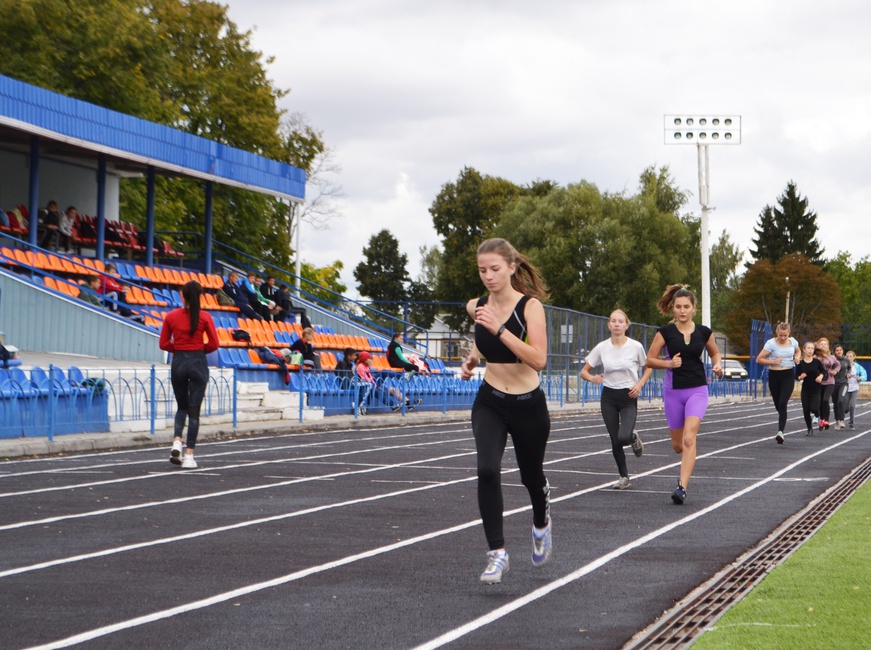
(685, 388)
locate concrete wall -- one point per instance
(37, 319)
(66, 183)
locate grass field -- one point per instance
(819, 598)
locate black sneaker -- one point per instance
(411, 407)
(396, 408)
(779, 437)
(810, 432)
(679, 495)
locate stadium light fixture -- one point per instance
(704, 130)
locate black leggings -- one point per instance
(810, 402)
(825, 396)
(526, 418)
(780, 386)
(619, 412)
(839, 397)
(189, 376)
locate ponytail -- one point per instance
(672, 292)
(526, 278)
(191, 293)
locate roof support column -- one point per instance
(33, 197)
(101, 207)
(149, 216)
(207, 254)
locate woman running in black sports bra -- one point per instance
(510, 333)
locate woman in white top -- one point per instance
(623, 361)
(780, 354)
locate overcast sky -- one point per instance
(409, 92)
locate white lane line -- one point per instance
(175, 473)
(457, 632)
(212, 495)
(518, 603)
(179, 500)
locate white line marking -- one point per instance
(508, 608)
(468, 627)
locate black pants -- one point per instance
(619, 412)
(839, 397)
(780, 386)
(526, 418)
(810, 401)
(189, 376)
(827, 390)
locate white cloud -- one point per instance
(408, 93)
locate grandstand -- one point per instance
(56, 138)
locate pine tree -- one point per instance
(790, 229)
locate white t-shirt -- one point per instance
(623, 366)
(785, 354)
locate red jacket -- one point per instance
(175, 334)
(108, 283)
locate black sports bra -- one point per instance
(493, 349)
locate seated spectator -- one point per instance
(269, 291)
(51, 225)
(112, 289)
(65, 229)
(258, 303)
(396, 357)
(349, 362)
(270, 356)
(391, 397)
(304, 345)
(287, 306)
(116, 294)
(240, 298)
(91, 282)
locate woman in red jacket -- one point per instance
(183, 335)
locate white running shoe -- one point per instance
(623, 483)
(637, 445)
(542, 545)
(189, 462)
(175, 454)
(497, 564)
(779, 437)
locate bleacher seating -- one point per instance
(153, 291)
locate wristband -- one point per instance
(499, 332)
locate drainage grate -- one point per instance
(680, 627)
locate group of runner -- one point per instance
(825, 378)
(511, 334)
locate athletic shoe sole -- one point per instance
(779, 438)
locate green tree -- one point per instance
(422, 310)
(601, 251)
(725, 259)
(182, 63)
(790, 229)
(464, 213)
(854, 279)
(431, 262)
(815, 300)
(382, 276)
(327, 280)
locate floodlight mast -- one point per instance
(703, 130)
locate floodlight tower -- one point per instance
(702, 130)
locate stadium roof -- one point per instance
(73, 129)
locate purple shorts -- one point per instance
(683, 403)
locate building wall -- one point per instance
(66, 183)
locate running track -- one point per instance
(370, 539)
